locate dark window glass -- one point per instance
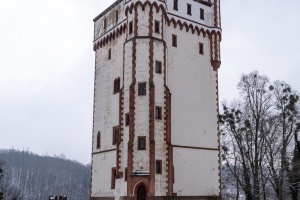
(130, 27)
(158, 112)
(98, 140)
(158, 166)
(115, 135)
(175, 5)
(201, 13)
(142, 143)
(116, 85)
(174, 40)
(156, 26)
(189, 9)
(127, 119)
(158, 67)
(117, 15)
(113, 177)
(109, 54)
(104, 23)
(142, 88)
(201, 51)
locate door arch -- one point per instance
(141, 192)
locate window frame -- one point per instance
(158, 67)
(175, 5)
(202, 13)
(139, 89)
(127, 119)
(130, 28)
(158, 163)
(189, 9)
(139, 144)
(113, 177)
(174, 40)
(98, 144)
(158, 112)
(109, 54)
(156, 26)
(116, 135)
(201, 48)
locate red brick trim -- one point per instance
(216, 12)
(131, 121)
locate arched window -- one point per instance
(98, 140)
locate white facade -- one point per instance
(184, 142)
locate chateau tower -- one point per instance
(155, 124)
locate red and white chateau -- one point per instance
(155, 124)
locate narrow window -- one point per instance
(156, 26)
(117, 16)
(98, 140)
(175, 5)
(142, 88)
(115, 135)
(189, 9)
(202, 13)
(158, 67)
(109, 54)
(127, 119)
(201, 51)
(113, 177)
(174, 40)
(125, 173)
(130, 27)
(158, 166)
(158, 112)
(116, 85)
(142, 143)
(104, 23)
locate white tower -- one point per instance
(155, 128)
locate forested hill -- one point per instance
(36, 177)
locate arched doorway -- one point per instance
(141, 193)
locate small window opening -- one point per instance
(116, 85)
(189, 9)
(115, 135)
(104, 23)
(98, 140)
(158, 67)
(127, 119)
(142, 88)
(158, 167)
(175, 5)
(156, 26)
(117, 16)
(130, 27)
(142, 143)
(202, 13)
(109, 54)
(113, 177)
(158, 112)
(174, 40)
(201, 50)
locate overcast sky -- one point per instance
(47, 65)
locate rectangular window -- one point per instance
(142, 88)
(115, 135)
(158, 167)
(127, 119)
(109, 54)
(174, 40)
(202, 13)
(104, 23)
(130, 27)
(158, 67)
(117, 16)
(116, 85)
(113, 177)
(156, 26)
(201, 50)
(158, 112)
(142, 143)
(175, 5)
(189, 9)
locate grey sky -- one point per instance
(47, 65)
